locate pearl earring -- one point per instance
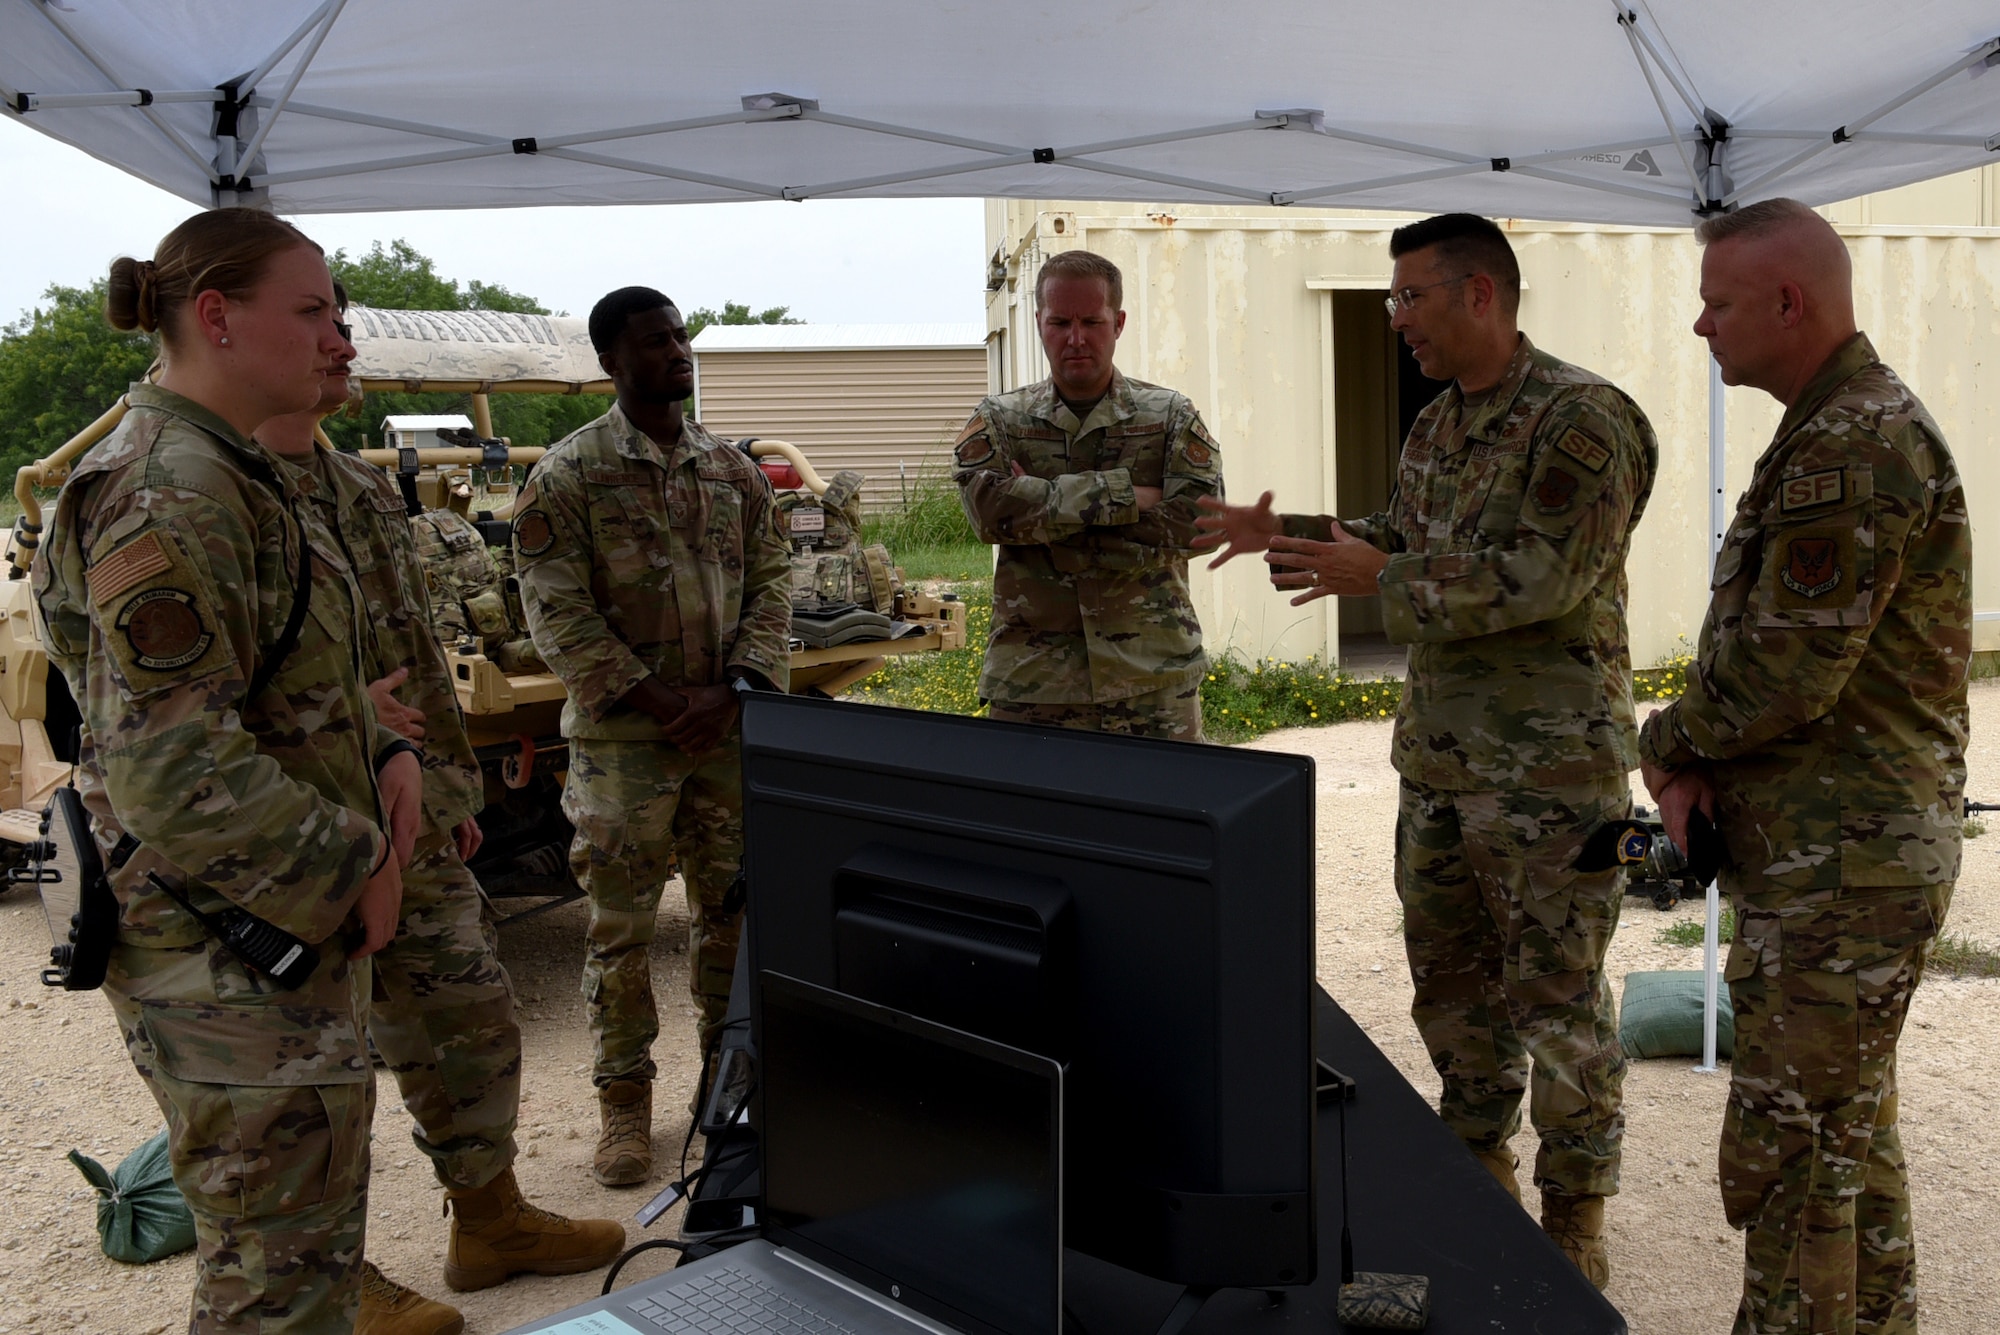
(225, 340)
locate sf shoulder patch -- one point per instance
(974, 445)
(1810, 490)
(1584, 450)
(164, 628)
(533, 533)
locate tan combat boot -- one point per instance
(387, 1308)
(625, 1144)
(1576, 1223)
(495, 1233)
(1502, 1163)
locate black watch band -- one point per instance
(396, 748)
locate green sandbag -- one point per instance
(141, 1215)
(1660, 1015)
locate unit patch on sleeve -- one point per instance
(164, 629)
(1812, 565)
(533, 533)
(1584, 450)
(974, 445)
(1803, 493)
(1555, 491)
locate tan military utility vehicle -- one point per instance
(851, 608)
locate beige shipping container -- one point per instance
(1272, 321)
(885, 399)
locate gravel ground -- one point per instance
(65, 1082)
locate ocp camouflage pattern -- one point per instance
(1507, 534)
(1828, 704)
(634, 561)
(1090, 596)
(268, 803)
(364, 512)
(1831, 674)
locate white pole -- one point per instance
(1718, 519)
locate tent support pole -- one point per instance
(248, 83)
(167, 131)
(1840, 136)
(332, 11)
(1718, 519)
(1629, 22)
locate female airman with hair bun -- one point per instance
(231, 760)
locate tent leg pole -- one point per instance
(1718, 518)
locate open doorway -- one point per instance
(1377, 393)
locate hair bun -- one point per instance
(146, 295)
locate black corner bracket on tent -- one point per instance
(526, 145)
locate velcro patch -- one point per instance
(533, 533)
(974, 449)
(1555, 491)
(1584, 450)
(164, 627)
(1813, 489)
(1201, 447)
(1812, 566)
(136, 560)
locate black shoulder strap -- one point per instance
(288, 639)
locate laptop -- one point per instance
(912, 1181)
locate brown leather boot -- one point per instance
(1502, 1163)
(495, 1233)
(625, 1143)
(1576, 1223)
(387, 1308)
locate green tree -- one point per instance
(61, 366)
(398, 277)
(736, 313)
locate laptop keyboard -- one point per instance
(730, 1300)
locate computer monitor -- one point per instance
(1141, 911)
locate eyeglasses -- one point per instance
(1407, 297)
(346, 331)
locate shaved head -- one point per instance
(1777, 289)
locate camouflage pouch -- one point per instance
(882, 585)
(487, 612)
(834, 579)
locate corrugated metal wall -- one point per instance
(1235, 307)
(887, 412)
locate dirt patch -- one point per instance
(65, 1082)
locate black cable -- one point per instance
(716, 1242)
(706, 1058)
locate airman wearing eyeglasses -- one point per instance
(1500, 562)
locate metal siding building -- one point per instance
(885, 399)
(1272, 321)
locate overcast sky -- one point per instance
(66, 216)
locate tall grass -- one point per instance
(926, 514)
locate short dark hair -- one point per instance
(1082, 264)
(1467, 243)
(609, 316)
(340, 296)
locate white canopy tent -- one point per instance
(1585, 110)
(1609, 111)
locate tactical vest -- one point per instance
(830, 567)
(473, 597)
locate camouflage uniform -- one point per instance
(1090, 597)
(1507, 536)
(471, 596)
(637, 560)
(169, 572)
(1829, 700)
(444, 1008)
